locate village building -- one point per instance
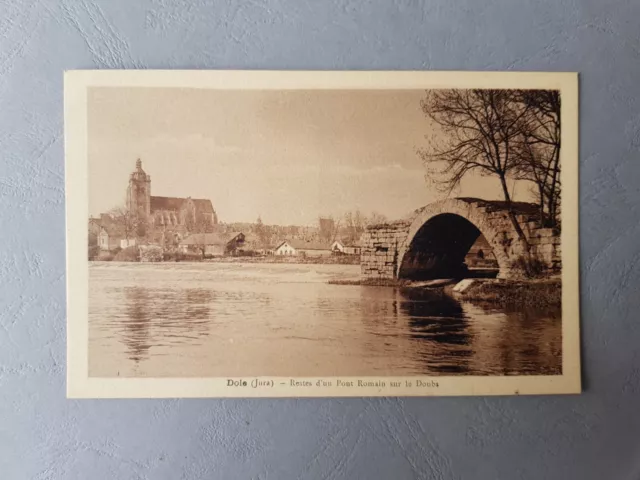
(346, 248)
(109, 233)
(105, 232)
(110, 237)
(258, 245)
(285, 248)
(302, 248)
(266, 249)
(213, 244)
(128, 242)
(94, 231)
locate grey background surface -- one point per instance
(44, 436)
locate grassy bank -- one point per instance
(385, 282)
(512, 292)
(372, 282)
(540, 293)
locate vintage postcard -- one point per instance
(302, 234)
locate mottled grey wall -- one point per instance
(44, 436)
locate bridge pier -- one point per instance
(380, 250)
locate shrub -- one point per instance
(129, 254)
(531, 267)
(177, 256)
(246, 253)
(171, 257)
(104, 257)
(540, 293)
(94, 252)
(151, 253)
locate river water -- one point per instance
(233, 319)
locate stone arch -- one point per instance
(441, 234)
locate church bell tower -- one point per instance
(139, 193)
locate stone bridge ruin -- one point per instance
(434, 240)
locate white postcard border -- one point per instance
(80, 385)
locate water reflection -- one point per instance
(156, 317)
(453, 337)
(137, 323)
(217, 320)
(439, 319)
(435, 316)
(526, 343)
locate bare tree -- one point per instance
(261, 232)
(541, 140)
(355, 224)
(376, 218)
(127, 222)
(481, 133)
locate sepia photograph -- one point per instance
(321, 233)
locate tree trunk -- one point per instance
(551, 208)
(553, 194)
(512, 215)
(542, 201)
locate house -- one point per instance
(110, 237)
(256, 245)
(302, 248)
(285, 248)
(128, 242)
(213, 244)
(112, 232)
(346, 248)
(94, 231)
(266, 249)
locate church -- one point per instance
(165, 220)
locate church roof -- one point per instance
(166, 203)
(203, 205)
(176, 204)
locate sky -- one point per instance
(286, 156)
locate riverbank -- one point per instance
(190, 258)
(328, 260)
(385, 282)
(539, 292)
(372, 282)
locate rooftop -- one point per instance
(210, 238)
(302, 245)
(176, 204)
